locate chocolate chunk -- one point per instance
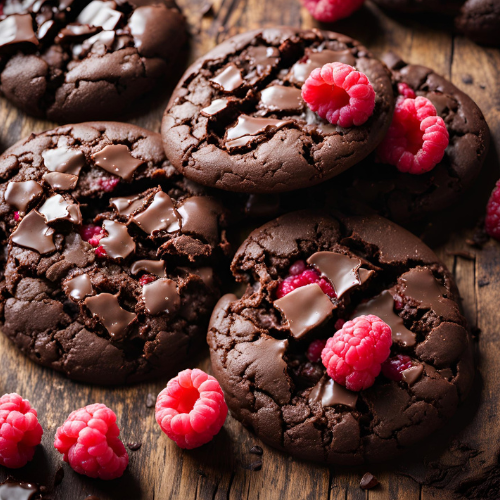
(329, 393)
(127, 205)
(118, 243)
(160, 215)
(199, 216)
(58, 208)
(156, 267)
(74, 33)
(116, 159)
(256, 450)
(62, 159)
(113, 317)
(161, 296)
(229, 79)
(17, 29)
(305, 308)
(100, 14)
(216, 106)
(34, 233)
(412, 374)
(134, 446)
(60, 181)
(368, 481)
(79, 287)
(20, 194)
(281, 98)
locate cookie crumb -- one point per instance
(59, 476)
(467, 79)
(134, 446)
(256, 450)
(150, 400)
(368, 481)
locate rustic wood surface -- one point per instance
(462, 459)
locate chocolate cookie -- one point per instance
(236, 120)
(480, 21)
(108, 274)
(364, 265)
(402, 196)
(75, 60)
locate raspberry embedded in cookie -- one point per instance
(492, 222)
(315, 349)
(392, 368)
(353, 356)
(417, 138)
(340, 94)
(329, 11)
(300, 275)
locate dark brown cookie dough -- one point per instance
(404, 197)
(236, 120)
(131, 305)
(289, 401)
(75, 60)
(480, 21)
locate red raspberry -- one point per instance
(16, 216)
(90, 444)
(191, 410)
(146, 278)
(300, 275)
(393, 367)
(20, 431)
(339, 324)
(314, 351)
(100, 252)
(328, 11)
(339, 94)
(406, 91)
(108, 185)
(492, 222)
(417, 138)
(88, 231)
(353, 356)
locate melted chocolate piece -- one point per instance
(144, 27)
(118, 244)
(248, 127)
(263, 57)
(57, 208)
(412, 374)
(15, 490)
(368, 481)
(34, 233)
(79, 287)
(199, 215)
(161, 296)
(17, 29)
(112, 316)
(281, 98)
(301, 70)
(116, 159)
(422, 286)
(216, 106)
(68, 161)
(328, 393)
(127, 205)
(342, 271)
(229, 79)
(305, 308)
(101, 14)
(74, 33)
(20, 194)
(158, 216)
(156, 267)
(383, 306)
(106, 38)
(60, 181)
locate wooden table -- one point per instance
(460, 459)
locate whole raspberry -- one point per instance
(339, 94)
(353, 356)
(392, 368)
(191, 410)
(314, 350)
(328, 11)
(20, 431)
(417, 138)
(406, 91)
(301, 275)
(492, 222)
(90, 444)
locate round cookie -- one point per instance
(480, 21)
(108, 274)
(404, 197)
(258, 343)
(236, 120)
(72, 61)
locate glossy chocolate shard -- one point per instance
(215, 107)
(117, 160)
(118, 243)
(412, 374)
(156, 267)
(17, 490)
(79, 287)
(229, 79)
(34, 233)
(58, 208)
(127, 205)
(248, 127)
(328, 393)
(60, 181)
(199, 215)
(17, 29)
(305, 308)
(63, 159)
(281, 98)
(112, 316)
(20, 194)
(161, 296)
(160, 215)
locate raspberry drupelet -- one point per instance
(191, 410)
(329, 11)
(315, 349)
(417, 138)
(300, 275)
(392, 368)
(353, 356)
(20, 431)
(492, 222)
(90, 444)
(339, 94)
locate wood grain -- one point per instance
(460, 459)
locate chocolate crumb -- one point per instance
(368, 481)
(59, 476)
(256, 450)
(482, 283)
(134, 446)
(467, 79)
(150, 400)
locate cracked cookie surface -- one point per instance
(262, 361)
(236, 120)
(76, 60)
(108, 275)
